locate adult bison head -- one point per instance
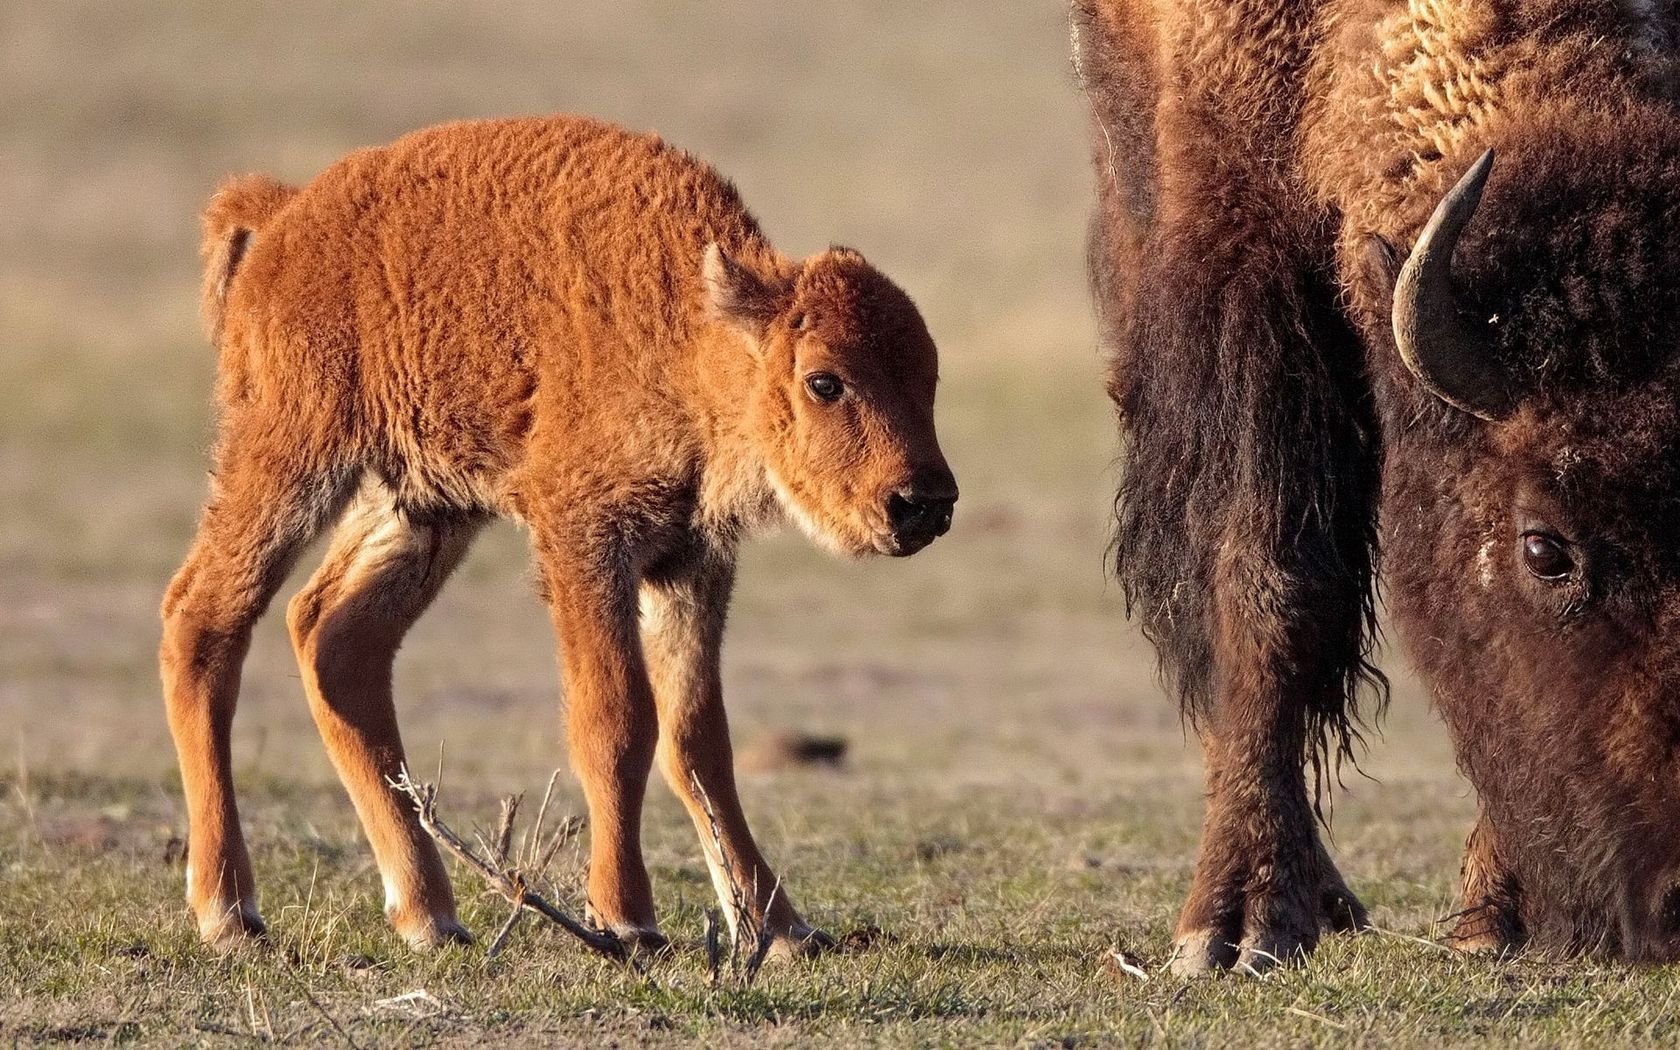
(1531, 529)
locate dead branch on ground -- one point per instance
(509, 876)
(753, 939)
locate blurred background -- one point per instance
(945, 139)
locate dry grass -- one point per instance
(1017, 797)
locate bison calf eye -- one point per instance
(825, 387)
(1546, 557)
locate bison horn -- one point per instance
(1448, 354)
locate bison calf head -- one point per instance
(1531, 525)
(842, 410)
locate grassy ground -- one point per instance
(1018, 797)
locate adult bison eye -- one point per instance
(825, 387)
(1546, 557)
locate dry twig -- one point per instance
(1380, 932)
(1128, 963)
(504, 828)
(504, 934)
(534, 839)
(753, 938)
(509, 881)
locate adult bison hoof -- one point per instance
(1487, 929)
(1276, 932)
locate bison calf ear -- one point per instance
(739, 294)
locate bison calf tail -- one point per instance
(240, 208)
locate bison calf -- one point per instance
(559, 322)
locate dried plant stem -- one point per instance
(504, 827)
(510, 884)
(752, 935)
(534, 840)
(714, 947)
(505, 933)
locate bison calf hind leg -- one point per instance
(381, 573)
(263, 510)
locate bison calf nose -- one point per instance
(931, 485)
(920, 512)
(917, 515)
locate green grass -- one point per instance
(997, 905)
(1019, 796)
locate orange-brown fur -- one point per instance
(559, 322)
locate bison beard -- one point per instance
(1263, 169)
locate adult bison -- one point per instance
(1404, 272)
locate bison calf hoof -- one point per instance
(227, 927)
(433, 932)
(640, 941)
(643, 944)
(799, 942)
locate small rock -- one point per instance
(774, 752)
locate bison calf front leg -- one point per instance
(682, 628)
(611, 727)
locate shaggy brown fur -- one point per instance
(1254, 157)
(559, 322)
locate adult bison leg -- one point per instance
(682, 629)
(1245, 515)
(1488, 917)
(1265, 888)
(1244, 544)
(382, 571)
